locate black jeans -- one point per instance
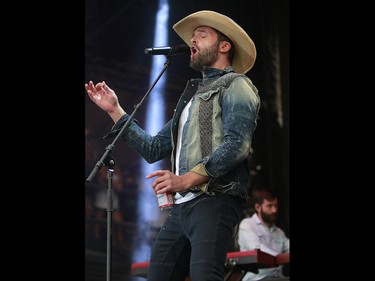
(194, 239)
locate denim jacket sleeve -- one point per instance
(151, 148)
(240, 107)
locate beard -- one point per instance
(270, 219)
(205, 57)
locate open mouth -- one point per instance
(193, 51)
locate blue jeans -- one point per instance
(194, 239)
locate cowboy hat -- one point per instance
(245, 52)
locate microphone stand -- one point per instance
(110, 163)
(106, 159)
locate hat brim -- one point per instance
(245, 51)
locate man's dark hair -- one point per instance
(223, 37)
(260, 194)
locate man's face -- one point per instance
(204, 48)
(268, 211)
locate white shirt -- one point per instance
(184, 115)
(253, 234)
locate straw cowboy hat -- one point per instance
(245, 52)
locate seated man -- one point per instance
(260, 232)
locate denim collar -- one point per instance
(209, 72)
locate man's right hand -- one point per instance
(105, 98)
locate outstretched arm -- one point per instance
(105, 98)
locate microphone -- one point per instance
(168, 51)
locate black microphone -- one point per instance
(168, 51)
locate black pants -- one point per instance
(194, 239)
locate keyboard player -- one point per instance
(259, 231)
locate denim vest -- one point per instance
(217, 134)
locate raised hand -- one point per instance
(105, 98)
(102, 95)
